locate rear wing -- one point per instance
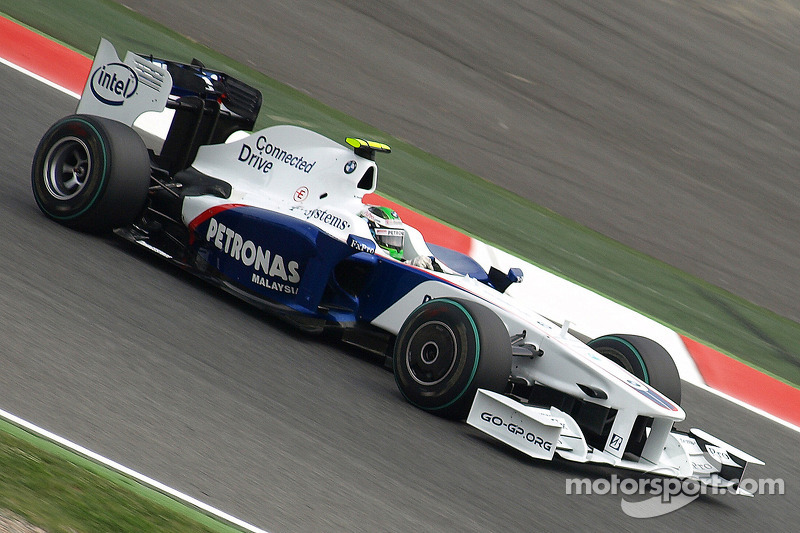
(208, 105)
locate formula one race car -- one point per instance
(276, 217)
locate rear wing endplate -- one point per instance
(123, 90)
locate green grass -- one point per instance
(410, 176)
(60, 491)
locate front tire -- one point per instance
(446, 350)
(645, 359)
(91, 173)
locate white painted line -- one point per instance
(80, 450)
(39, 78)
(590, 313)
(749, 407)
(141, 478)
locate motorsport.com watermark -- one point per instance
(666, 494)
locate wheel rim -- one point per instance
(67, 167)
(431, 353)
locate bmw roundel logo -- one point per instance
(350, 167)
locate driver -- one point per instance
(389, 233)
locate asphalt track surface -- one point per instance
(671, 126)
(140, 362)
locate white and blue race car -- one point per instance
(276, 217)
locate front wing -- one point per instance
(543, 433)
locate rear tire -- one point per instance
(91, 173)
(645, 359)
(446, 350)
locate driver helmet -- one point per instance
(386, 228)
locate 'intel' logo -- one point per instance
(113, 83)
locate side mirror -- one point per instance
(502, 281)
(515, 275)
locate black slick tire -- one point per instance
(91, 173)
(645, 359)
(446, 350)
